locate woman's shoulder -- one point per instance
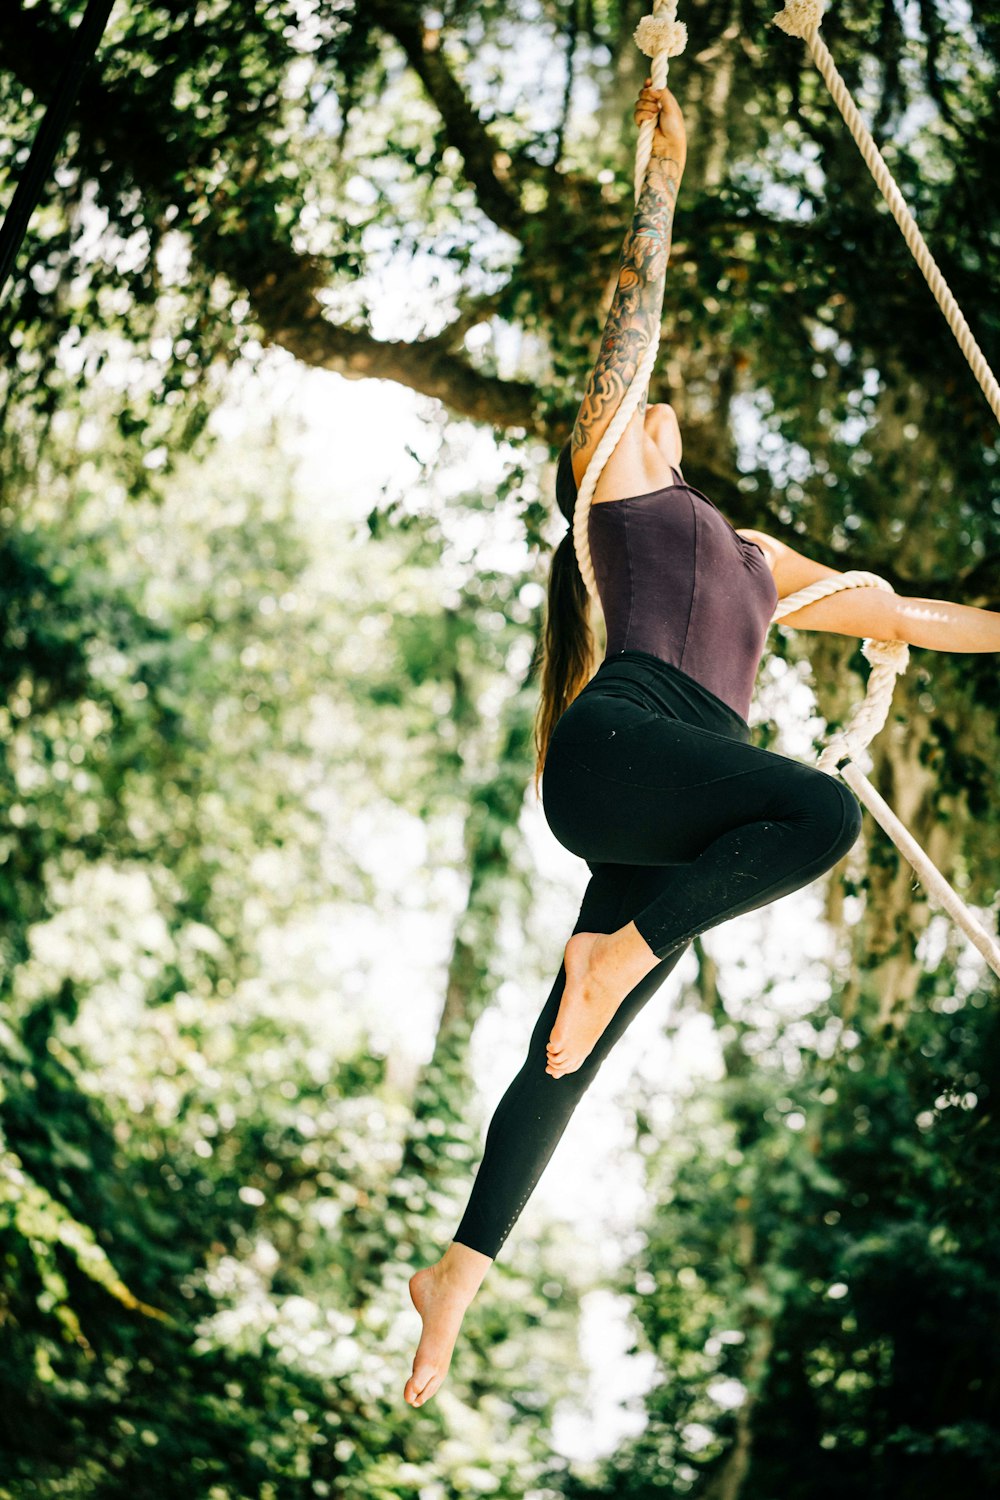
(638, 466)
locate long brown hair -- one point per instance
(568, 640)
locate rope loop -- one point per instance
(855, 578)
(887, 658)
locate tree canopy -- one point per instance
(215, 1176)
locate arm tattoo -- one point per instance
(637, 305)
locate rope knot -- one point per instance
(894, 654)
(799, 17)
(660, 34)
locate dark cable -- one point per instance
(86, 40)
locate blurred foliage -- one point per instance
(206, 1222)
(221, 705)
(821, 1277)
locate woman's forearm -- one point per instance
(647, 241)
(875, 613)
(637, 306)
(944, 626)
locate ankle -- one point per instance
(462, 1268)
(624, 952)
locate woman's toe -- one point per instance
(421, 1379)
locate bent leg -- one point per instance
(737, 826)
(532, 1115)
(804, 825)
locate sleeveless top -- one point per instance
(677, 581)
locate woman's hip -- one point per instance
(649, 682)
(642, 786)
(640, 721)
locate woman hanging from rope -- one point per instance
(649, 773)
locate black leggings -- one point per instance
(652, 780)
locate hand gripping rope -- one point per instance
(660, 36)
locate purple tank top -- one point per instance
(676, 580)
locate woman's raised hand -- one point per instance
(669, 137)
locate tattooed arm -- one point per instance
(638, 300)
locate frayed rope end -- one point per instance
(799, 17)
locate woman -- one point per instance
(649, 773)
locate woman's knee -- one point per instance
(852, 816)
(840, 814)
(828, 808)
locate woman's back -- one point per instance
(676, 580)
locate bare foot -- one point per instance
(441, 1302)
(601, 969)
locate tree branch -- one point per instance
(487, 165)
(281, 283)
(286, 306)
(495, 175)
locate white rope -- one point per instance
(801, 18)
(888, 659)
(923, 867)
(667, 37)
(661, 36)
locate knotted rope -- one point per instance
(661, 37)
(802, 18)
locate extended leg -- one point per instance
(525, 1129)
(529, 1120)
